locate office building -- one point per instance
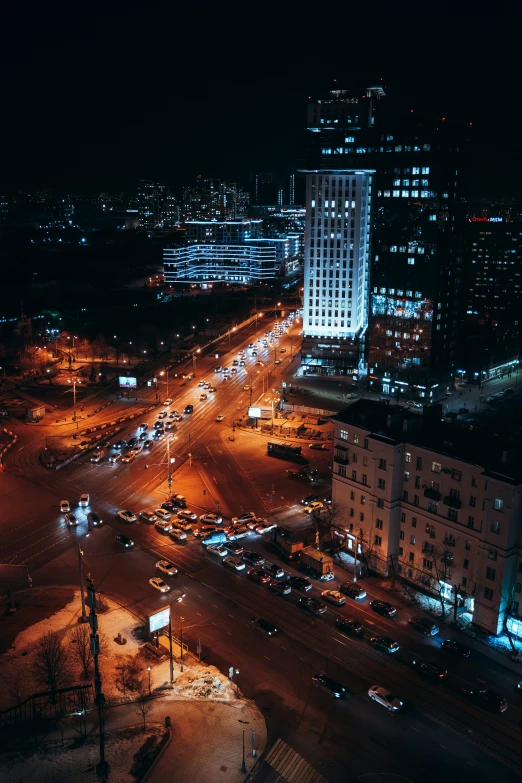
(337, 249)
(433, 505)
(246, 264)
(211, 232)
(489, 339)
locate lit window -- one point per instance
(408, 457)
(411, 261)
(343, 435)
(495, 526)
(405, 193)
(396, 193)
(498, 504)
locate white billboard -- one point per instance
(254, 413)
(127, 382)
(159, 619)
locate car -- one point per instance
(169, 425)
(189, 409)
(413, 404)
(203, 396)
(384, 608)
(239, 531)
(226, 370)
(217, 549)
(263, 526)
(201, 383)
(489, 700)
(203, 530)
(234, 548)
(138, 449)
(385, 644)
(331, 686)
(148, 444)
(148, 516)
(385, 697)
(351, 627)
(158, 425)
(166, 567)
(131, 455)
(334, 597)
(277, 361)
(158, 435)
(274, 570)
(311, 498)
(300, 583)
(463, 410)
(211, 519)
(431, 669)
(177, 535)
(283, 350)
(84, 444)
(64, 506)
(259, 576)
(212, 389)
(353, 590)
(246, 387)
(144, 425)
(159, 584)
(93, 519)
(260, 363)
(163, 525)
(220, 417)
(168, 505)
(177, 417)
(253, 557)
(423, 625)
(127, 516)
(97, 457)
(312, 508)
(188, 515)
(132, 442)
(457, 648)
(162, 415)
(242, 363)
(115, 457)
(162, 513)
(120, 444)
(244, 518)
(252, 524)
(263, 625)
(314, 605)
(280, 588)
(71, 519)
(235, 362)
(124, 540)
(168, 401)
(235, 563)
(218, 369)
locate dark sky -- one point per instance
(95, 100)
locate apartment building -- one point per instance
(433, 503)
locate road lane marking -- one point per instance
(442, 746)
(283, 648)
(415, 729)
(482, 681)
(228, 632)
(266, 656)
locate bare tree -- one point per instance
(128, 674)
(17, 690)
(507, 610)
(81, 636)
(52, 661)
(143, 703)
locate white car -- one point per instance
(220, 417)
(177, 535)
(168, 401)
(115, 457)
(385, 697)
(167, 567)
(235, 563)
(65, 506)
(127, 516)
(334, 596)
(217, 549)
(211, 519)
(159, 584)
(161, 513)
(148, 516)
(243, 518)
(185, 513)
(163, 525)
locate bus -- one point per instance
(284, 450)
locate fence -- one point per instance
(287, 406)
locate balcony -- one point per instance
(341, 459)
(452, 501)
(433, 494)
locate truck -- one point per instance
(288, 544)
(316, 563)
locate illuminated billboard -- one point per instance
(126, 382)
(254, 413)
(159, 619)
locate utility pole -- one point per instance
(181, 642)
(102, 768)
(170, 648)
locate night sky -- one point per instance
(95, 100)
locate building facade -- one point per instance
(492, 306)
(337, 251)
(207, 264)
(438, 508)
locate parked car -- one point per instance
(211, 519)
(253, 557)
(258, 575)
(489, 700)
(148, 516)
(313, 605)
(163, 525)
(457, 648)
(280, 588)
(300, 583)
(234, 563)
(184, 513)
(178, 535)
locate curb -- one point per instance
(158, 757)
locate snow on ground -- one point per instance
(197, 681)
(78, 764)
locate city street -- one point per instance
(221, 468)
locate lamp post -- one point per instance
(243, 765)
(83, 618)
(148, 669)
(181, 642)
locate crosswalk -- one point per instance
(291, 766)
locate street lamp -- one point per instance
(181, 642)
(243, 765)
(148, 669)
(83, 618)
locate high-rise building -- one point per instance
(337, 250)
(212, 199)
(151, 197)
(417, 222)
(489, 341)
(433, 504)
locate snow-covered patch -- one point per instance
(78, 764)
(413, 597)
(197, 681)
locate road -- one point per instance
(343, 739)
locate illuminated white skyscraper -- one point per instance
(337, 253)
